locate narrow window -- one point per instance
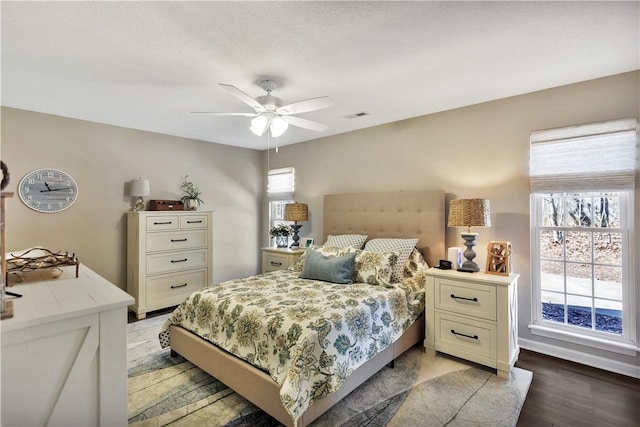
(280, 188)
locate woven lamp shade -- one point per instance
(469, 213)
(296, 212)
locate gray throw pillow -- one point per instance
(338, 269)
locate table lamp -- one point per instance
(296, 212)
(139, 189)
(469, 213)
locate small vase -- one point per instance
(192, 204)
(282, 241)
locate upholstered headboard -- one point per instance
(410, 214)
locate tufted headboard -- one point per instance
(410, 214)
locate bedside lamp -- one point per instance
(296, 212)
(469, 213)
(139, 189)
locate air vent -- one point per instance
(356, 115)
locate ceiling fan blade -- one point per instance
(243, 97)
(305, 106)
(304, 123)
(212, 113)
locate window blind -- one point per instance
(593, 157)
(281, 184)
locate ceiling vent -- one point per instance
(356, 115)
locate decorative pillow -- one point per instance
(402, 246)
(416, 265)
(374, 268)
(337, 269)
(329, 251)
(346, 240)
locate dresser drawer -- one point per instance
(175, 261)
(193, 221)
(172, 240)
(159, 223)
(174, 285)
(467, 338)
(472, 299)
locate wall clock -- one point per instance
(48, 190)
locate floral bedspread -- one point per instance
(308, 335)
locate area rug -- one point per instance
(420, 389)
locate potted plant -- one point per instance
(281, 232)
(192, 193)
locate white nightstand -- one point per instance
(279, 258)
(473, 316)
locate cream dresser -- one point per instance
(473, 316)
(64, 352)
(279, 258)
(169, 255)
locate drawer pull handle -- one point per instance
(194, 222)
(178, 286)
(178, 260)
(179, 240)
(474, 299)
(474, 337)
(162, 223)
(275, 263)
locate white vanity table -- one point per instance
(64, 352)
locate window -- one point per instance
(582, 182)
(280, 188)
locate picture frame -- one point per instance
(307, 242)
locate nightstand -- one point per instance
(279, 258)
(473, 316)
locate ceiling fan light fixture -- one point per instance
(278, 127)
(269, 113)
(259, 125)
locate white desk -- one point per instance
(64, 352)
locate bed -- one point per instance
(295, 370)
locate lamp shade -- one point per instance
(268, 121)
(139, 187)
(296, 212)
(278, 127)
(469, 213)
(259, 125)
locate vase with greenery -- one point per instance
(192, 193)
(281, 232)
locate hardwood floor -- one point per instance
(564, 393)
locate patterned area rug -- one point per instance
(420, 390)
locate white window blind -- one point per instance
(599, 156)
(281, 184)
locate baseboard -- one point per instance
(581, 357)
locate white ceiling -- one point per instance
(147, 65)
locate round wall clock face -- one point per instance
(48, 190)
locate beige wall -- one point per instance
(103, 159)
(478, 151)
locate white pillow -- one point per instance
(402, 246)
(346, 240)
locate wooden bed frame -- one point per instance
(401, 215)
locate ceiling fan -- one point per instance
(269, 112)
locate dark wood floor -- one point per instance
(564, 393)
